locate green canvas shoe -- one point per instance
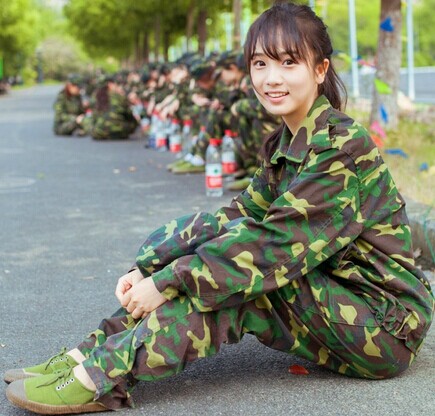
(58, 362)
(53, 394)
(188, 168)
(176, 164)
(239, 185)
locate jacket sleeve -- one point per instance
(315, 217)
(184, 235)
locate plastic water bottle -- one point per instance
(186, 137)
(161, 136)
(213, 169)
(175, 137)
(229, 164)
(154, 127)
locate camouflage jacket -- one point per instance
(324, 201)
(66, 107)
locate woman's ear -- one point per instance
(321, 70)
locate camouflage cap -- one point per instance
(187, 58)
(233, 57)
(201, 67)
(75, 79)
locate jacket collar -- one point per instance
(315, 127)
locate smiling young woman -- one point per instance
(314, 258)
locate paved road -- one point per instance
(72, 217)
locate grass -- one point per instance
(417, 140)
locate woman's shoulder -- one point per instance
(349, 135)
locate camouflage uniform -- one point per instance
(314, 258)
(117, 122)
(66, 109)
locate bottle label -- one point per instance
(229, 164)
(213, 176)
(161, 142)
(175, 143)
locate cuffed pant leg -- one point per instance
(166, 340)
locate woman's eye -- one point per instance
(258, 64)
(288, 62)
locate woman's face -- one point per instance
(73, 89)
(286, 88)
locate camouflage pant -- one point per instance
(104, 129)
(67, 127)
(343, 336)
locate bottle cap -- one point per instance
(215, 142)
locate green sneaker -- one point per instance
(188, 168)
(58, 362)
(239, 185)
(53, 394)
(176, 164)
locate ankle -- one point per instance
(76, 355)
(81, 374)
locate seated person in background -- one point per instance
(69, 110)
(112, 115)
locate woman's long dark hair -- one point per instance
(296, 30)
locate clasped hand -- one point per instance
(138, 295)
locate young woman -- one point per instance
(314, 258)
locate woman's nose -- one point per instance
(274, 75)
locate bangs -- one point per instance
(277, 34)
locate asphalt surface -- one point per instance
(73, 213)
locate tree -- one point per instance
(388, 60)
(237, 13)
(18, 40)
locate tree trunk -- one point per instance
(166, 45)
(202, 31)
(237, 13)
(145, 48)
(189, 24)
(137, 51)
(385, 107)
(157, 36)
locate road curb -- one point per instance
(422, 222)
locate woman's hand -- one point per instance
(126, 282)
(142, 298)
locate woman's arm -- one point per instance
(317, 216)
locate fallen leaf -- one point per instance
(417, 252)
(298, 370)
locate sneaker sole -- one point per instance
(16, 395)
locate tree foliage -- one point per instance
(111, 27)
(18, 21)
(424, 33)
